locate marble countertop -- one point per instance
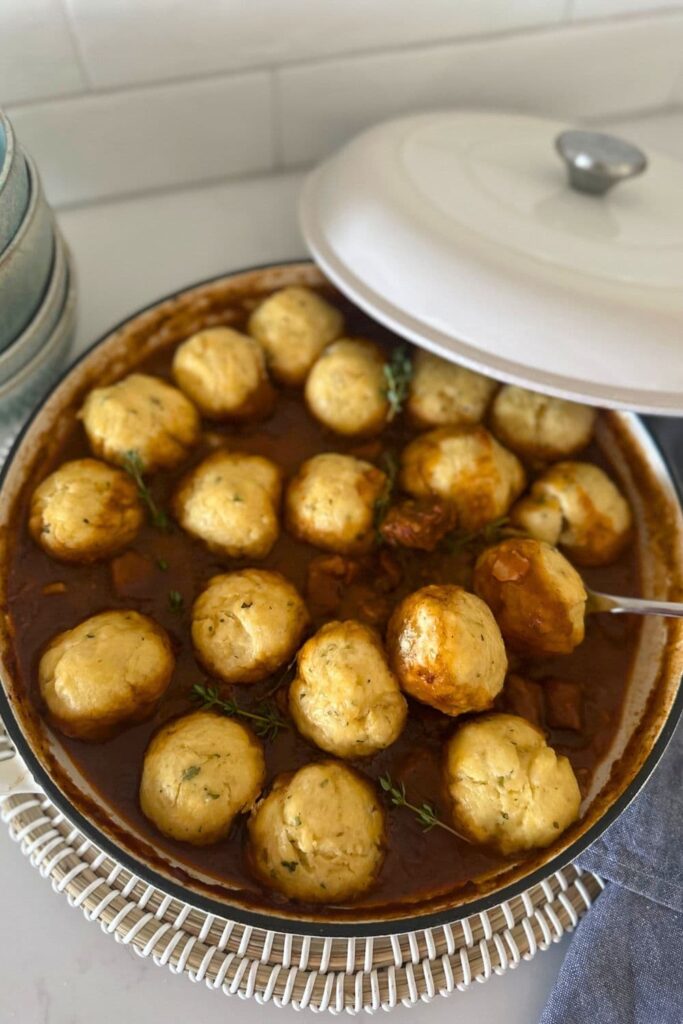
(56, 968)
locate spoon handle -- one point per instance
(633, 605)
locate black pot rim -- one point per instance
(272, 922)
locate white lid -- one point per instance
(459, 230)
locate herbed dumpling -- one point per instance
(576, 506)
(141, 414)
(106, 672)
(199, 773)
(467, 467)
(330, 503)
(345, 699)
(538, 427)
(443, 394)
(294, 325)
(446, 649)
(538, 598)
(246, 624)
(319, 835)
(224, 373)
(84, 511)
(509, 789)
(346, 388)
(230, 502)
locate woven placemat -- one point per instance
(331, 974)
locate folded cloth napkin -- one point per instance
(625, 962)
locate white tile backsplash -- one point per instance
(38, 58)
(129, 41)
(574, 73)
(120, 96)
(108, 145)
(610, 8)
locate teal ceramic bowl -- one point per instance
(26, 264)
(37, 332)
(28, 385)
(14, 184)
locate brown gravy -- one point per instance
(418, 864)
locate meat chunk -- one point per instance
(563, 704)
(327, 577)
(524, 697)
(418, 523)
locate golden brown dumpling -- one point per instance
(230, 502)
(330, 503)
(246, 624)
(576, 506)
(144, 415)
(108, 671)
(536, 596)
(443, 394)
(467, 467)
(85, 510)
(199, 773)
(509, 789)
(224, 373)
(538, 427)
(344, 698)
(446, 649)
(294, 325)
(346, 388)
(319, 834)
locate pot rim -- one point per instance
(291, 925)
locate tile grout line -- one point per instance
(78, 49)
(214, 181)
(583, 25)
(289, 170)
(276, 125)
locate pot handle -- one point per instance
(596, 161)
(14, 775)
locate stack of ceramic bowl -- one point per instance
(37, 289)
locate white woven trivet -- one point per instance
(332, 974)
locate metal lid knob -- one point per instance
(595, 161)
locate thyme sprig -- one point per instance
(425, 813)
(490, 533)
(389, 465)
(267, 720)
(397, 374)
(134, 466)
(285, 676)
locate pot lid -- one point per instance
(514, 246)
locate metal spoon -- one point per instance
(632, 605)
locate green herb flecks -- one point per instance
(476, 540)
(134, 466)
(425, 813)
(285, 676)
(266, 719)
(175, 601)
(389, 466)
(397, 374)
(191, 772)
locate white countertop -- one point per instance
(55, 968)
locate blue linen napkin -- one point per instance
(625, 962)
